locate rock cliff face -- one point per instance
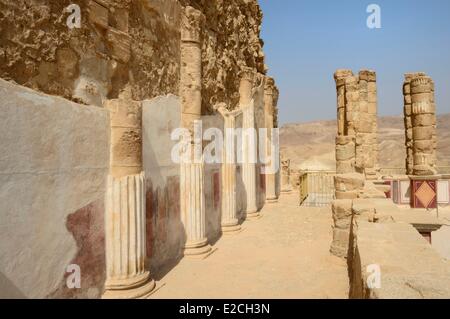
(126, 43)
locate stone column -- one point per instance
(230, 221)
(275, 125)
(357, 142)
(368, 123)
(125, 225)
(192, 202)
(407, 113)
(269, 101)
(347, 90)
(286, 186)
(249, 142)
(423, 126)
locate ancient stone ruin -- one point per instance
(369, 230)
(106, 98)
(356, 143)
(140, 159)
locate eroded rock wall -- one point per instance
(126, 42)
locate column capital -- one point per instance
(191, 25)
(411, 75)
(247, 74)
(421, 84)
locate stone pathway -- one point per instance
(282, 255)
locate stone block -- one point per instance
(407, 110)
(98, 14)
(407, 89)
(347, 195)
(421, 97)
(422, 133)
(342, 213)
(349, 182)
(343, 139)
(340, 244)
(343, 73)
(372, 87)
(368, 75)
(372, 97)
(424, 120)
(344, 167)
(345, 152)
(120, 44)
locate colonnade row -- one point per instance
(127, 275)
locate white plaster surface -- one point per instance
(53, 161)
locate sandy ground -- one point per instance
(285, 254)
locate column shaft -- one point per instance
(249, 142)
(269, 110)
(126, 273)
(230, 222)
(424, 126)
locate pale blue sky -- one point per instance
(307, 40)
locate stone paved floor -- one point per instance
(282, 255)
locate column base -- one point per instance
(272, 200)
(253, 216)
(198, 250)
(286, 191)
(139, 290)
(231, 229)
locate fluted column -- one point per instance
(192, 202)
(249, 142)
(269, 101)
(126, 273)
(125, 230)
(230, 221)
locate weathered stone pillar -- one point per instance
(269, 109)
(126, 273)
(230, 221)
(367, 128)
(357, 142)
(424, 126)
(345, 141)
(275, 125)
(407, 113)
(286, 186)
(192, 202)
(352, 152)
(249, 143)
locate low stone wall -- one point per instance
(408, 265)
(54, 162)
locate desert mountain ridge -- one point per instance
(311, 145)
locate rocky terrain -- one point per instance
(311, 145)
